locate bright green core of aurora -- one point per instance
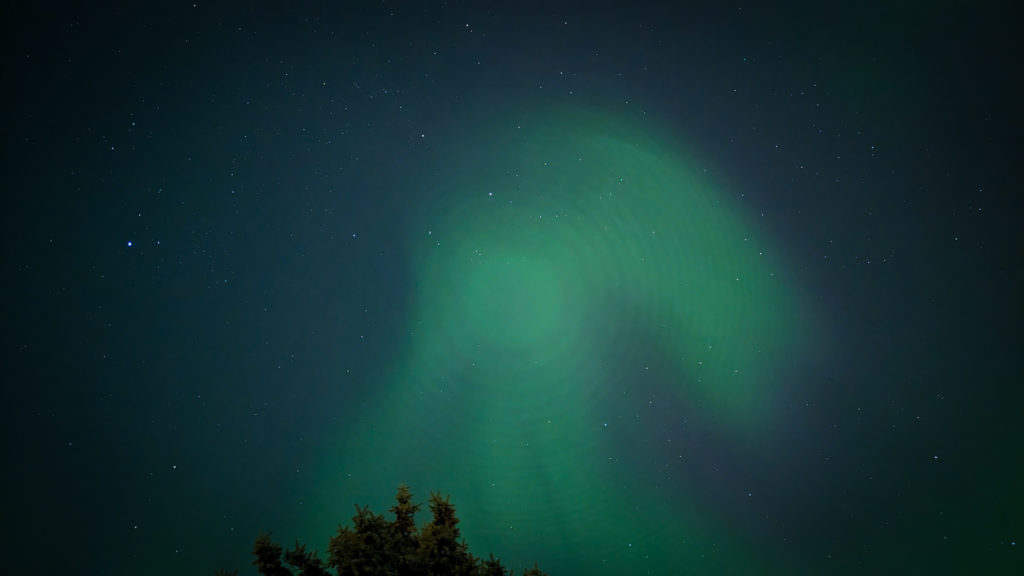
(571, 269)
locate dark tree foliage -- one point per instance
(492, 567)
(364, 548)
(404, 538)
(440, 552)
(533, 571)
(305, 562)
(268, 557)
(376, 546)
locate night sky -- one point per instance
(723, 289)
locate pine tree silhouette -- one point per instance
(375, 546)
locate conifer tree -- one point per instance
(405, 540)
(268, 557)
(492, 567)
(440, 552)
(374, 546)
(305, 562)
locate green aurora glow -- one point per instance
(568, 267)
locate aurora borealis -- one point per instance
(645, 288)
(573, 238)
(582, 230)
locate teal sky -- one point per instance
(646, 288)
(577, 259)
